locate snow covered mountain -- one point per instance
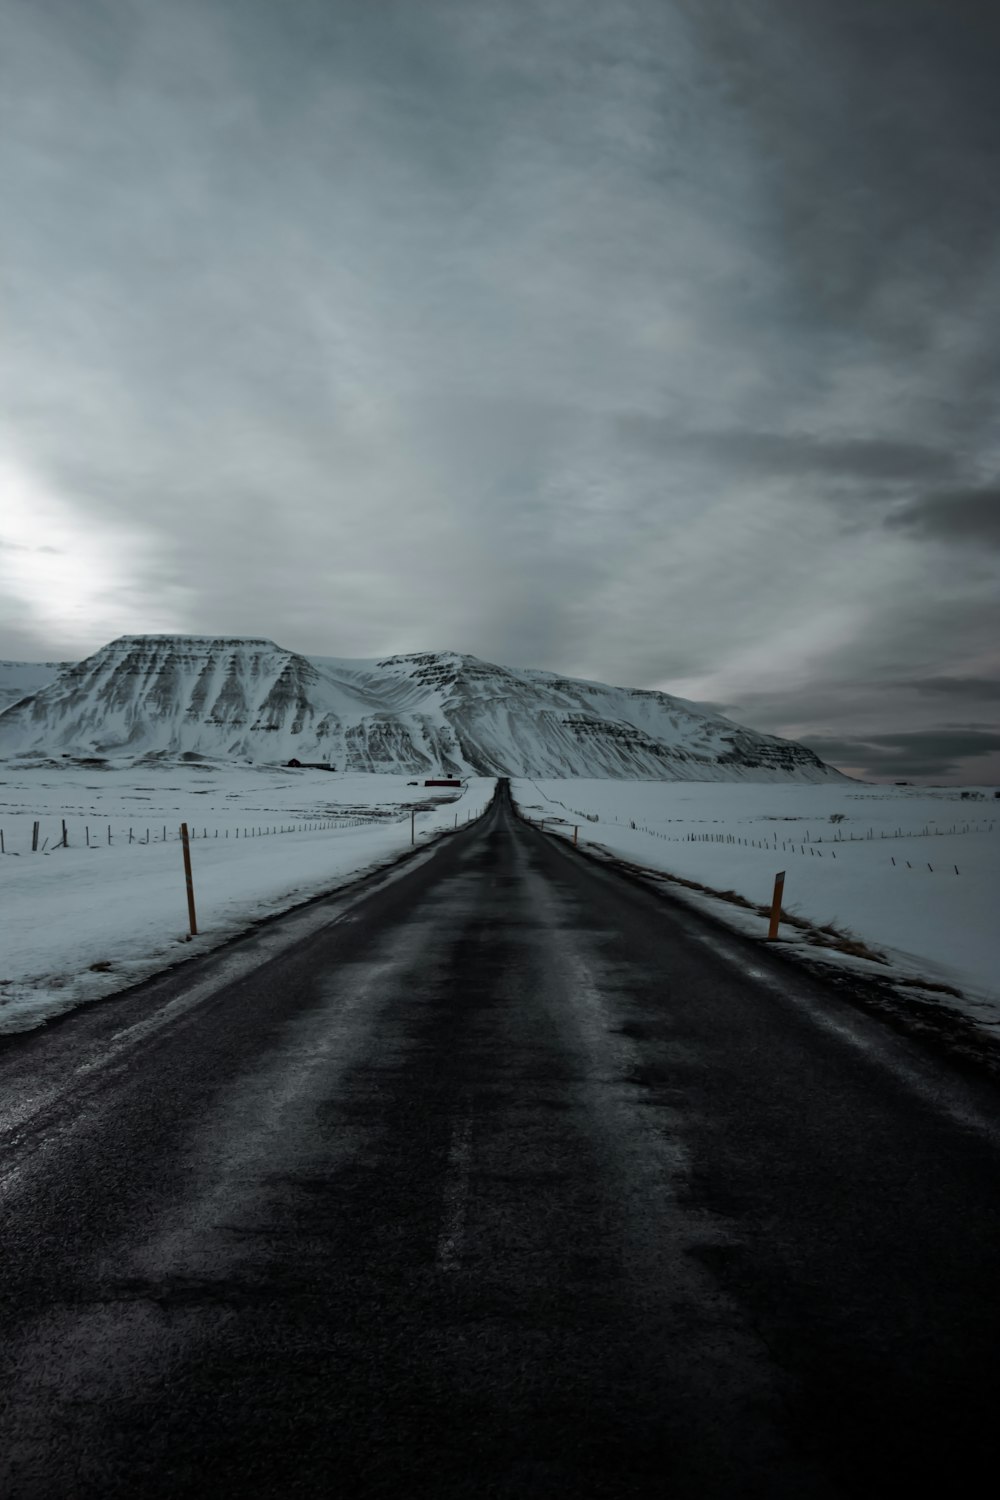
(428, 711)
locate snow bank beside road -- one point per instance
(886, 873)
(81, 922)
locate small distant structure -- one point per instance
(444, 781)
(296, 763)
(902, 783)
(310, 765)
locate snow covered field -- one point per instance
(885, 874)
(91, 918)
(83, 921)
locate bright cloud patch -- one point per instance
(63, 573)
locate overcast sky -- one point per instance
(652, 341)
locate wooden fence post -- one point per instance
(779, 886)
(189, 880)
(34, 838)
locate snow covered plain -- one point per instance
(91, 918)
(884, 878)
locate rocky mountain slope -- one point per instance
(250, 699)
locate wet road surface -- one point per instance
(504, 1178)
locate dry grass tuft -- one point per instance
(854, 946)
(736, 899)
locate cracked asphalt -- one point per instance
(498, 1177)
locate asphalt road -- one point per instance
(503, 1177)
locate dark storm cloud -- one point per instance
(969, 515)
(801, 712)
(933, 752)
(969, 688)
(798, 454)
(889, 111)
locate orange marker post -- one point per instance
(779, 886)
(189, 879)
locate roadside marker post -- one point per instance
(189, 880)
(779, 886)
(576, 840)
(413, 825)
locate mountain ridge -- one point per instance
(247, 697)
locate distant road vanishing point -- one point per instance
(508, 1178)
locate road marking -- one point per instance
(455, 1196)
